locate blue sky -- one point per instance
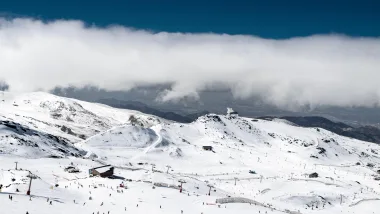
(268, 19)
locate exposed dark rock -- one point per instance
(313, 175)
(321, 150)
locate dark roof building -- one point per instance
(207, 148)
(102, 171)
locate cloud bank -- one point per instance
(317, 70)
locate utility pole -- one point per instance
(16, 164)
(209, 191)
(182, 182)
(30, 184)
(167, 171)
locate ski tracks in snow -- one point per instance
(150, 147)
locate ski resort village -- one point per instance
(61, 155)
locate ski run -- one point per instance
(88, 158)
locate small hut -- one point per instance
(207, 148)
(72, 169)
(102, 171)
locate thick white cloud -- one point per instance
(316, 70)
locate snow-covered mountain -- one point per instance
(69, 120)
(22, 141)
(250, 165)
(224, 133)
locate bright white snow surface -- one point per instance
(152, 155)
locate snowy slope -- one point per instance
(241, 135)
(68, 120)
(21, 141)
(55, 114)
(283, 155)
(152, 155)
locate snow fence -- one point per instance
(166, 185)
(237, 200)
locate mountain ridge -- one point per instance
(226, 163)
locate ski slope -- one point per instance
(151, 156)
(61, 121)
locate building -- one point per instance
(102, 171)
(231, 112)
(72, 169)
(207, 148)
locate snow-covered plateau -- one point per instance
(225, 163)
